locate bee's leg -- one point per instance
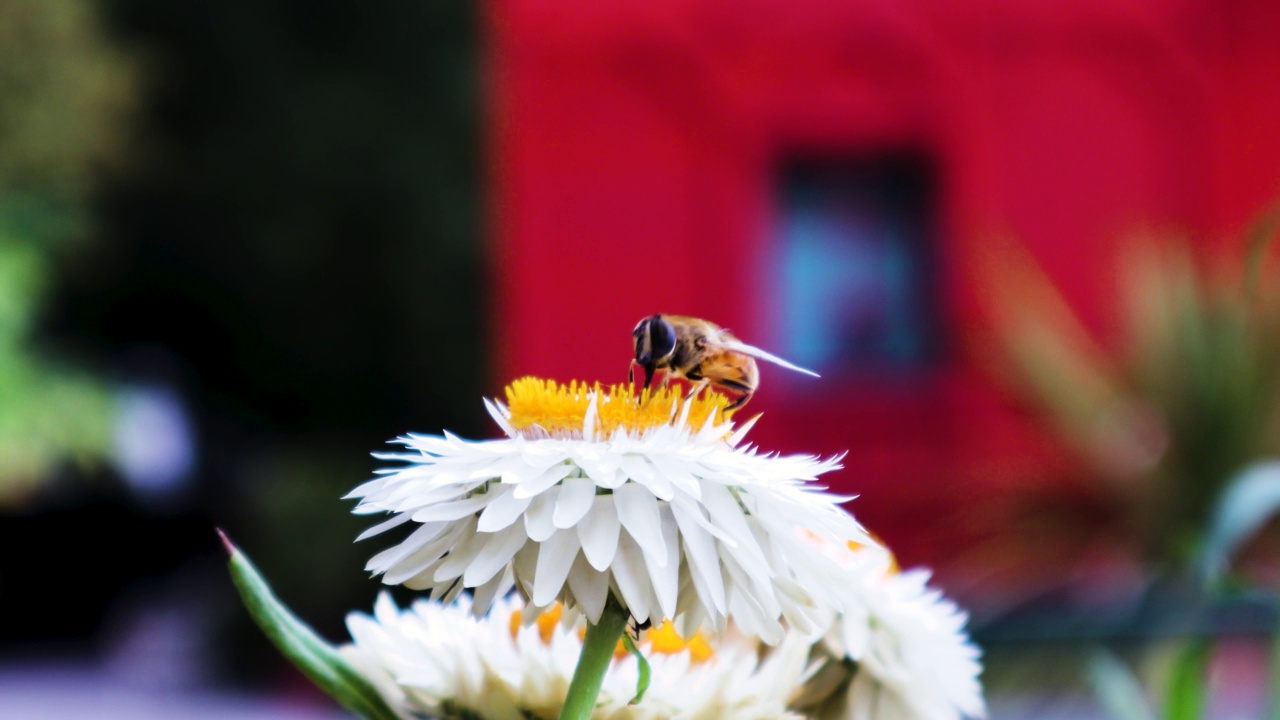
(635, 627)
(699, 387)
(746, 390)
(742, 400)
(649, 375)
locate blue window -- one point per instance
(854, 266)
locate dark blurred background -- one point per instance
(240, 249)
(245, 244)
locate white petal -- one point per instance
(575, 499)
(451, 510)
(638, 511)
(484, 595)
(422, 581)
(383, 526)
(555, 557)
(463, 554)
(504, 509)
(525, 568)
(665, 572)
(416, 539)
(537, 519)
(704, 561)
(500, 415)
(366, 488)
(636, 468)
(755, 619)
(760, 592)
(632, 578)
(498, 550)
(742, 430)
(856, 637)
(693, 513)
(446, 593)
(408, 567)
(414, 563)
(549, 477)
(677, 474)
(723, 508)
(598, 531)
(590, 588)
(411, 497)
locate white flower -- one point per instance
(441, 660)
(914, 659)
(655, 501)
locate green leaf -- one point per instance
(1259, 237)
(1117, 689)
(642, 680)
(1185, 695)
(1247, 502)
(317, 659)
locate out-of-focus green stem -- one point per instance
(597, 652)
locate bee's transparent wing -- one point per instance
(755, 352)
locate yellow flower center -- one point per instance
(546, 622)
(894, 568)
(539, 405)
(663, 639)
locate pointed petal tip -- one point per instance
(226, 542)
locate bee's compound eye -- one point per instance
(640, 338)
(662, 337)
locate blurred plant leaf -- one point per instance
(1258, 238)
(317, 659)
(1194, 397)
(1249, 500)
(1117, 688)
(1185, 695)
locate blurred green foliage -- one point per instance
(65, 94)
(1206, 358)
(1191, 399)
(1177, 426)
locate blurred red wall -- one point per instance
(633, 157)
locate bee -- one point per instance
(702, 353)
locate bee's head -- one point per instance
(655, 341)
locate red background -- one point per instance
(633, 154)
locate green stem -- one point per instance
(597, 652)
